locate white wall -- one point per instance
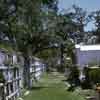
(84, 57)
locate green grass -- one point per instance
(51, 87)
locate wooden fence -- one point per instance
(35, 72)
(12, 80)
(10, 85)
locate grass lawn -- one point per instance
(51, 87)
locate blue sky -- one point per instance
(89, 5)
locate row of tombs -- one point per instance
(11, 74)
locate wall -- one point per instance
(87, 57)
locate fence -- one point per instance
(10, 85)
(36, 72)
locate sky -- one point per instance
(89, 5)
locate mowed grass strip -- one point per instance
(51, 87)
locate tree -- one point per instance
(33, 38)
(80, 16)
(24, 28)
(66, 26)
(95, 16)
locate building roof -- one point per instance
(88, 47)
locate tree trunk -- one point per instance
(62, 58)
(27, 80)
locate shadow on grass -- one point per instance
(42, 87)
(64, 80)
(38, 87)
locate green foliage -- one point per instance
(71, 88)
(1, 77)
(6, 47)
(95, 16)
(86, 82)
(33, 26)
(94, 75)
(47, 1)
(74, 75)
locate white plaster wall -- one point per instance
(87, 57)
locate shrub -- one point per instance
(1, 77)
(74, 75)
(86, 84)
(71, 88)
(94, 75)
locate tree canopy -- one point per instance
(31, 26)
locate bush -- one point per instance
(74, 76)
(94, 75)
(86, 84)
(71, 88)
(1, 77)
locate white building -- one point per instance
(87, 54)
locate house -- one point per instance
(87, 54)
